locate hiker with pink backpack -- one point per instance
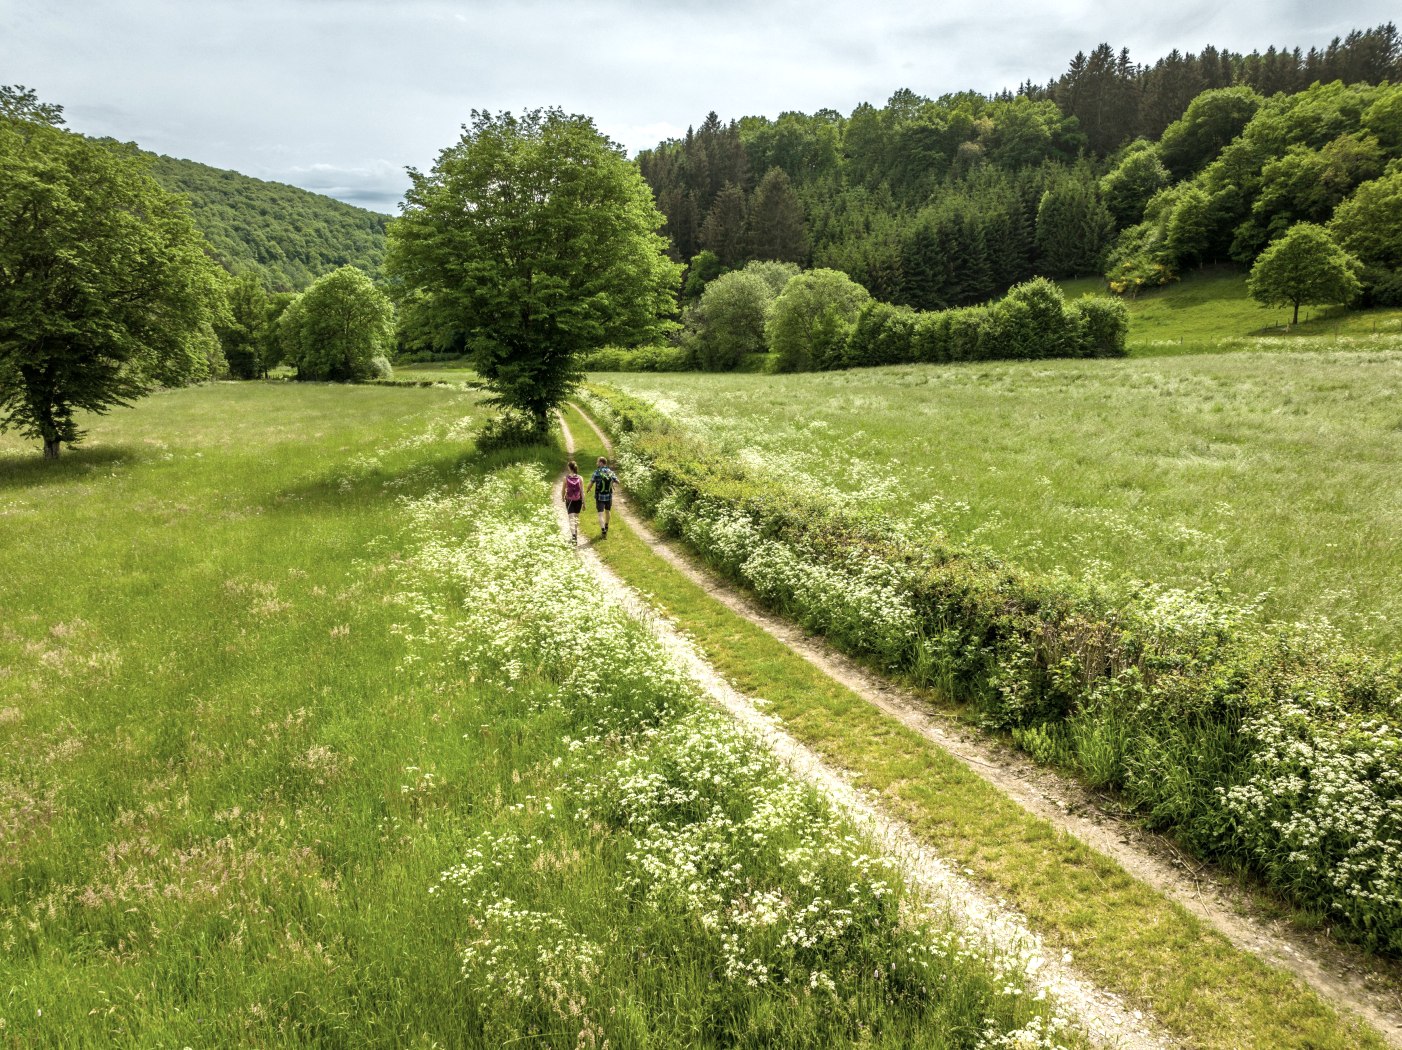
(574, 499)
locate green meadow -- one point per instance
(313, 732)
(1272, 474)
(1211, 312)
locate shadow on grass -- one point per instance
(19, 470)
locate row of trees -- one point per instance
(341, 329)
(944, 202)
(822, 319)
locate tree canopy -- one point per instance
(105, 287)
(1303, 268)
(338, 327)
(535, 237)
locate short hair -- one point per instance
(603, 461)
(573, 468)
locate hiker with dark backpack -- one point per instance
(602, 483)
(574, 499)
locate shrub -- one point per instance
(636, 359)
(810, 322)
(512, 428)
(1103, 325)
(883, 335)
(728, 322)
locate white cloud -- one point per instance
(306, 90)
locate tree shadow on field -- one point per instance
(457, 467)
(25, 469)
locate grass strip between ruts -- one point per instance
(1123, 934)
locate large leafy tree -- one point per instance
(535, 237)
(341, 324)
(1303, 268)
(729, 320)
(105, 287)
(810, 322)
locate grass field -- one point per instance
(314, 733)
(1274, 472)
(1211, 312)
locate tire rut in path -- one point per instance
(1341, 977)
(1100, 1013)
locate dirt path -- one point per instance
(1100, 1013)
(1369, 987)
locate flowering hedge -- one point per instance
(1267, 745)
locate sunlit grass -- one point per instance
(1274, 471)
(1210, 312)
(253, 707)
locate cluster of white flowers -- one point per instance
(863, 599)
(713, 830)
(1322, 807)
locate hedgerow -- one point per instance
(1271, 746)
(637, 359)
(1034, 320)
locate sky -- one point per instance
(340, 96)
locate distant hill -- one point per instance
(291, 236)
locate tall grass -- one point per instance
(315, 734)
(1272, 474)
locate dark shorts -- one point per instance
(574, 506)
(603, 502)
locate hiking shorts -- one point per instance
(574, 506)
(604, 502)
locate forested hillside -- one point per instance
(943, 202)
(287, 235)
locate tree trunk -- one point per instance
(1296, 319)
(51, 447)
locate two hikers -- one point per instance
(601, 483)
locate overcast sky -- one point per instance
(339, 96)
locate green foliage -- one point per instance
(1128, 187)
(1296, 159)
(537, 239)
(775, 228)
(638, 359)
(105, 289)
(242, 332)
(809, 323)
(1304, 268)
(1211, 120)
(1368, 226)
(1073, 228)
(704, 268)
(338, 327)
(285, 235)
(724, 232)
(729, 321)
(18, 102)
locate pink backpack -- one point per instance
(574, 487)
